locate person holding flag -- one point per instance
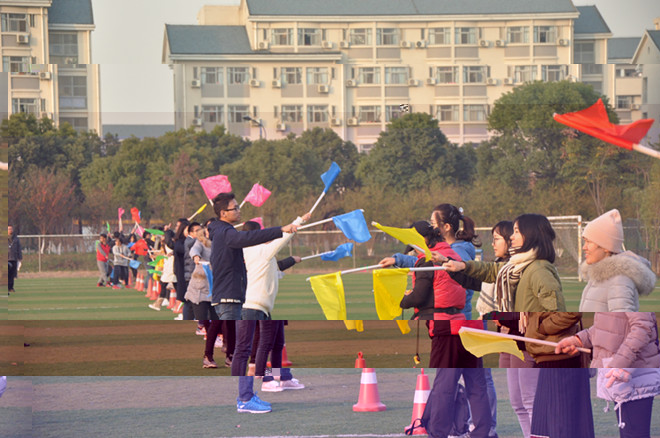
(102, 254)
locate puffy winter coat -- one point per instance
(553, 327)
(615, 283)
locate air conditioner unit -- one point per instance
(322, 88)
(23, 38)
(431, 81)
(420, 44)
(276, 83)
(635, 106)
(351, 83)
(263, 45)
(491, 81)
(255, 83)
(405, 44)
(327, 44)
(45, 75)
(281, 127)
(562, 42)
(509, 81)
(352, 121)
(344, 44)
(335, 121)
(196, 83)
(500, 43)
(412, 82)
(484, 43)
(197, 121)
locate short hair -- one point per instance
(538, 234)
(221, 202)
(504, 229)
(100, 235)
(251, 225)
(193, 225)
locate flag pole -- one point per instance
(324, 221)
(315, 256)
(646, 150)
(317, 203)
(350, 271)
(517, 338)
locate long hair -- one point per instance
(450, 214)
(538, 234)
(504, 229)
(183, 224)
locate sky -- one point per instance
(136, 88)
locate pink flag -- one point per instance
(139, 230)
(258, 220)
(258, 195)
(120, 212)
(214, 185)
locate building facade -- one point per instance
(47, 59)
(647, 58)
(274, 67)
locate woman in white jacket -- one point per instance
(616, 278)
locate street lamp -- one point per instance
(258, 122)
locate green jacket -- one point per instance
(539, 289)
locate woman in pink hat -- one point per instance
(616, 278)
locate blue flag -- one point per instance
(209, 277)
(353, 226)
(343, 250)
(330, 176)
(135, 264)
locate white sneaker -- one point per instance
(291, 384)
(155, 307)
(165, 303)
(218, 342)
(179, 318)
(271, 386)
(201, 331)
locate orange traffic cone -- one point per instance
(422, 391)
(154, 290)
(178, 308)
(359, 362)
(149, 286)
(285, 358)
(172, 302)
(139, 281)
(369, 400)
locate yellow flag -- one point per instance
(354, 325)
(199, 210)
(409, 236)
(329, 291)
(389, 287)
(403, 326)
(483, 343)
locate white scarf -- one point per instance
(508, 278)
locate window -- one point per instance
(63, 48)
(474, 74)
(317, 75)
(553, 73)
(292, 75)
(238, 75)
(78, 123)
(392, 112)
(309, 37)
(16, 64)
(281, 37)
(447, 113)
(369, 114)
(73, 92)
(466, 35)
(545, 34)
(22, 105)
(474, 113)
(624, 102)
(447, 75)
(387, 37)
(238, 112)
(359, 37)
(317, 113)
(292, 113)
(14, 22)
(212, 113)
(517, 34)
(597, 85)
(369, 75)
(628, 71)
(396, 75)
(440, 35)
(584, 52)
(212, 75)
(524, 73)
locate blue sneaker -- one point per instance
(253, 406)
(258, 400)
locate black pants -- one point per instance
(637, 416)
(11, 274)
(228, 330)
(204, 311)
(447, 351)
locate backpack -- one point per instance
(461, 408)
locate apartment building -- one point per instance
(274, 67)
(626, 88)
(647, 58)
(46, 57)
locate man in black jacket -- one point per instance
(227, 263)
(14, 258)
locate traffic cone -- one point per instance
(139, 281)
(178, 308)
(156, 293)
(148, 289)
(369, 400)
(285, 359)
(359, 362)
(422, 391)
(172, 302)
(154, 288)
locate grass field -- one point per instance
(196, 406)
(75, 298)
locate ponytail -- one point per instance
(462, 225)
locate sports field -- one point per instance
(205, 407)
(76, 298)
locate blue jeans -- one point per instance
(229, 311)
(245, 385)
(254, 314)
(244, 336)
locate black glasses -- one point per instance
(233, 209)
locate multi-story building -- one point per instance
(626, 88)
(647, 57)
(272, 67)
(46, 53)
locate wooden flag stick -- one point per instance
(517, 338)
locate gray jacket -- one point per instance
(15, 252)
(616, 282)
(623, 340)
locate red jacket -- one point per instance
(102, 252)
(140, 248)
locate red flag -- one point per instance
(135, 215)
(594, 121)
(258, 195)
(258, 220)
(214, 185)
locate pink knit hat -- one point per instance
(606, 231)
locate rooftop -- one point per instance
(71, 12)
(622, 48)
(590, 21)
(207, 40)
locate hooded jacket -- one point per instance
(616, 282)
